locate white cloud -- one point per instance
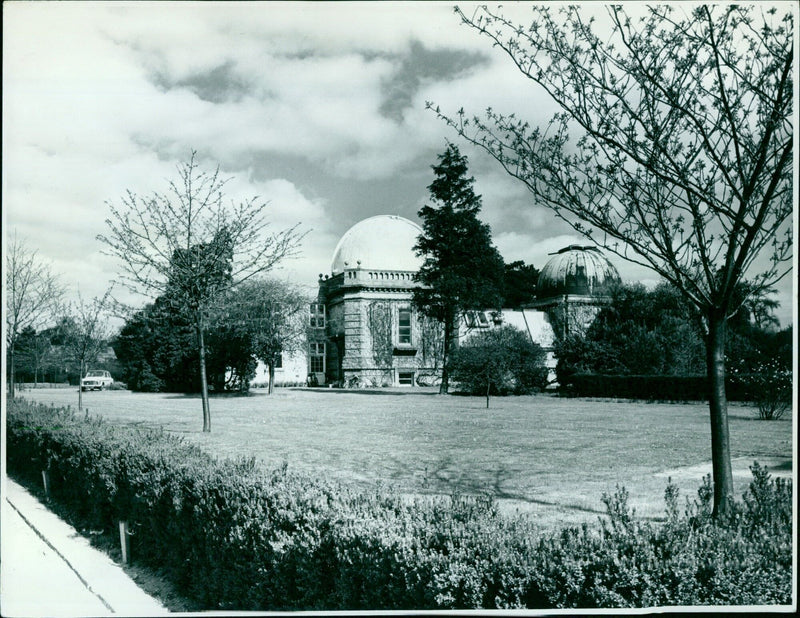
(123, 91)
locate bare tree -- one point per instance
(33, 295)
(87, 333)
(189, 245)
(683, 157)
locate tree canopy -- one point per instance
(499, 361)
(33, 295)
(519, 284)
(259, 320)
(271, 315)
(85, 334)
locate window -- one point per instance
(317, 357)
(317, 315)
(279, 361)
(406, 378)
(404, 330)
(477, 319)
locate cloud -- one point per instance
(219, 85)
(318, 108)
(423, 65)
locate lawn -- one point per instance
(548, 456)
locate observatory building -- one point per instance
(363, 327)
(573, 286)
(364, 330)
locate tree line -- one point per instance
(261, 320)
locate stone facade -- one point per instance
(372, 334)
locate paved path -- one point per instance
(48, 569)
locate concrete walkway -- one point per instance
(48, 569)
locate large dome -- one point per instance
(578, 270)
(385, 242)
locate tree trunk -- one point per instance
(448, 334)
(271, 368)
(488, 389)
(201, 344)
(718, 404)
(80, 386)
(12, 387)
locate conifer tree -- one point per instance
(462, 270)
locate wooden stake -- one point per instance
(46, 481)
(125, 541)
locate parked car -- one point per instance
(96, 380)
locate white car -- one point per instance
(96, 380)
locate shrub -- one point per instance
(231, 535)
(499, 361)
(649, 388)
(770, 387)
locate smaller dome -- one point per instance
(578, 270)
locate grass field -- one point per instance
(547, 456)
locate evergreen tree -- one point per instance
(520, 284)
(462, 270)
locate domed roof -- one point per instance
(384, 242)
(579, 270)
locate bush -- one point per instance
(499, 361)
(649, 388)
(770, 387)
(233, 536)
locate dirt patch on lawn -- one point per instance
(645, 494)
(776, 466)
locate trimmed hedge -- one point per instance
(739, 387)
(232, 536)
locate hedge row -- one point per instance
(741, 387)
(232, 536)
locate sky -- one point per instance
(318, 108)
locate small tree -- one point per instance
(33, 296)
(499, 361)
(683, 162)
(462, 270)
(188, 245)
(271, 315)
(33, 349)
(86, 336)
